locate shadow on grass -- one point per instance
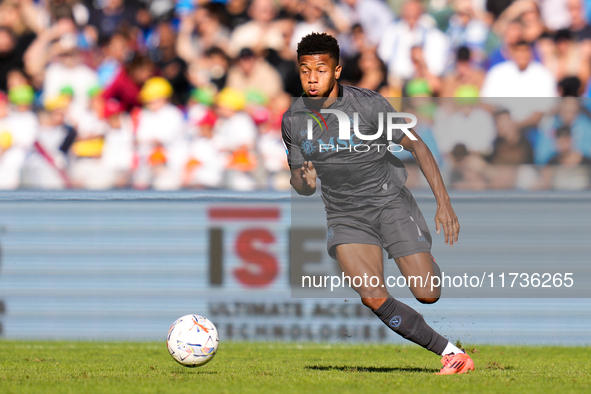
(350, 368)
(194, 371)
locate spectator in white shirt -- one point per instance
(18, 132)
(520, 77)
(412, 30)
(234, 135)
(118, 151)
(161, 145)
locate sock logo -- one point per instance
(395, 322)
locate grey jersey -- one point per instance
(352, 176)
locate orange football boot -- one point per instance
(456, 363)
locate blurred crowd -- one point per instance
(171, 94)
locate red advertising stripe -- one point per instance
(244, 213)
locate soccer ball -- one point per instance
(192, 340)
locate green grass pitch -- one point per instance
(127, 367)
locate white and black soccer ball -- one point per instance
(192, 340)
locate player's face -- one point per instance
(319, 74)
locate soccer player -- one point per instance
(367, 205)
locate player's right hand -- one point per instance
(309, 175)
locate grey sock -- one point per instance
(408, 323)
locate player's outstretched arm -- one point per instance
(445, 216)
(303, 179)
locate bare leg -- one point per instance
(364, 259)
(420, 265)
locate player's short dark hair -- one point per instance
(319, 44)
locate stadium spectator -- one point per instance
(569, 168)
(116, 52)
(270, 146)
(237, 13)
(160, 137)
(496, 7)
(206, 162)
(569, 87)
(411, 31)
(206, 21)
(55, 58)
(578, 25)
(25, 124)
(468, 124)
(533, 30)
(251, 72)
(373, 74)
(569, 114)
(111, 16)
(210, 70)
(554, 13)
(465, 29)
(11, 53)
(17, 77)
(126, 86)
(373, 16)
(260, 32)
(510, 146)
(421, 70)
(464, 74)
(510, 35)
(469, 170)
(18, 132)
(46, 167)
(565, 154)
(235, 135)
(117, 157)
(318, 16)
(568, 59)
(516, 78)
(350, 57)
(284, 60)
(171, 66)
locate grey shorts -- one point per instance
(399, 227)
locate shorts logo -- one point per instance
(421, 238)
(395, 322)
(330, 234)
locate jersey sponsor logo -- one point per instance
(395, 322)
(308, 147)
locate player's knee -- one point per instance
(427, 300)
(373, 298)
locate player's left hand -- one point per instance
(446, 217)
